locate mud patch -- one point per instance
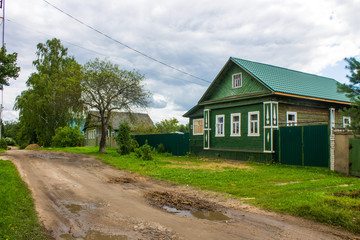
(352, 194)
(95, 235)
(185, 205)
(121, 180)
(74, 208)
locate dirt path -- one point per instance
(79, 197)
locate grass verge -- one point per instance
(314, 193)
(18, 218)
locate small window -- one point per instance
(235, 124)
(198, 126)
(291, 118)
(253, 127)
(346, 122)
(237, 80)
(91, 134)
(220, 119)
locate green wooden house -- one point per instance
(236, 116)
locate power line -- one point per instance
(87, 49)
(125, 45)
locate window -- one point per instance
(235, 124)
(253, 127)
(291, 118)
(198, 126)
(237, 80)
(220, 119)
(92, 134)
(346, 122)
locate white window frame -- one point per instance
(92, 134)
(346, 118)
(251, 122)
(291, 123)
(218, 125)
(197, 126)
(237, 83)
(237, 134)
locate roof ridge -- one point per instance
(284, 68)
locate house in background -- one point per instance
(247, 101)
(92, 128)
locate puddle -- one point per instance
(121, 180)
(74, 208)
(95, 235)
(209, 215)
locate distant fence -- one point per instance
(177, 144)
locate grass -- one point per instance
(314, 193)
(18, 219)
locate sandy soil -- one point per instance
(79, 197)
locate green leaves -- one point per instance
(8, 67)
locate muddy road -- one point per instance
(79, 197)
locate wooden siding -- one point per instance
(222, 87)
(243, 142)
(309, 115)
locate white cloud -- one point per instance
(195, 36)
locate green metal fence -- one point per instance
(354, 156)
(177, 144)
(303, 145)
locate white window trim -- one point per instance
(346, 117)
(291, 123)
(232, 79)
(216, 126)
(250, 134)
(194, 120)
(232, 134)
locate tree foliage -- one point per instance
(106, 88)
(53, 95)
(352, 91)
(171, 125)
(124, 141)
(8, 67)
(67, 137)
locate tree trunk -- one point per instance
(102, 148)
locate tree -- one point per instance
(124, 141)
(106, 88)
(171, 125)
(167, 126)
(53, 96)
(352, 91)
(8, 67)
(67, 137)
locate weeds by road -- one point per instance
(313, 193)
(18, 219)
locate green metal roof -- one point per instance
(293, 82)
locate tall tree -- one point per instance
(171, 125)
(106, 88)
(8, 67)
(352, 91)
(53, 95)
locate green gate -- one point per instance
(303, 145)
(354, 156)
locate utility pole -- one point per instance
(2, 5)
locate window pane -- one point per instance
(236, 119)
(253, 117)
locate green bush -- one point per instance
(124, 141)
(144, 152)
(3, 144)
(161, 148)
(67, 137)
(10, 141)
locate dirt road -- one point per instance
(79, 197)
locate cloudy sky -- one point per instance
(196, 37)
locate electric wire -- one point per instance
(87, 49)
(125, 45)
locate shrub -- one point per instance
(124, 141)
(10, 141)
(161, 148)
(67, 137)
(3, 144)
(144, 152)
